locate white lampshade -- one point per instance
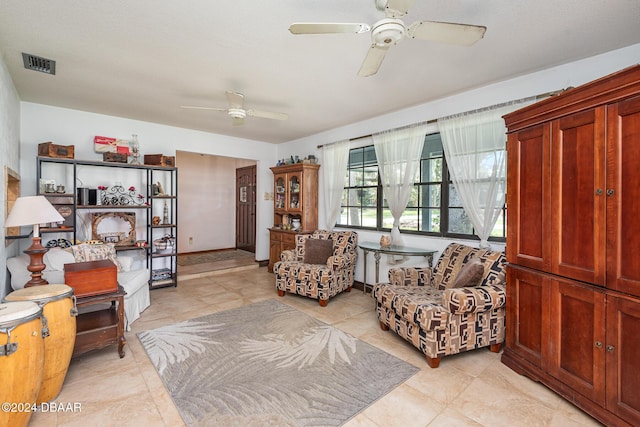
(32, 210)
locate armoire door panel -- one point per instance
(578, 196)
(623, 198)
(528, 197)
(623, 363)
(577, 350)
(527, 306)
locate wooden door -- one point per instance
(527, 313)
(623, 364)
(623, 196)
(578, 196)
(246, 208)
(529, 198)
(577, 341)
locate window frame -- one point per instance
(444, 208)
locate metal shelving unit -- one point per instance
(158, 261)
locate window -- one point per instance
(363, 204)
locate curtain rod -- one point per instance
(432, 121)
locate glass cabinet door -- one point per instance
(295, 193)
(280, 192)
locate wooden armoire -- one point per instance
(573, 245)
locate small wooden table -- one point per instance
(390, 250)
(100, 326)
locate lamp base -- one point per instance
(36, 252)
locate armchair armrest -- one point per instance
(470, 300)
(288, 255)
(339, 262)
(410, 276)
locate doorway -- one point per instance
(246, 208)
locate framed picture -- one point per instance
(114, 227)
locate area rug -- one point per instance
(213, 256)
(269, 364)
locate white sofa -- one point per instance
(133, 278)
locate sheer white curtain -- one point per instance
(398, 153)
(475, 150)
(334, 167)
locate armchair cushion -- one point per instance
(418, 305)
(317, 251)
(470, 274)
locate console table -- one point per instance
(390, 250)
(101, 323)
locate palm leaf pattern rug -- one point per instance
(269, 364)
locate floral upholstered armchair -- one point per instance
(320, 267)
(457, 306)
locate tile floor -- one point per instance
(470, 389)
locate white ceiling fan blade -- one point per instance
(398, 8)
(267, 115)
(446, 32)
(373, 60)
(236, 100)
(237, 121)
(327, 28)
(202, 108)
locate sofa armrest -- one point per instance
(476, 299)
(410, 276)
(288, 255)
(339, 262)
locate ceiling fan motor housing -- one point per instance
(387, 31)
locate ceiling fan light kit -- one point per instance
(391, 30)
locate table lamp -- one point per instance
(33, 210)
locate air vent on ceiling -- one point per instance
(36, 63)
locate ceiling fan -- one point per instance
(391, 30)
(237, 111)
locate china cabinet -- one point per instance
(573, 280)
(295, 210)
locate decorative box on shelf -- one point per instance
(49, 149)
(159, 160)
(114, 157)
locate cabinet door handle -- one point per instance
(599, 192)
(598, 344)
(610, 192)
(610, 348)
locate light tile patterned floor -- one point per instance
(470, 389)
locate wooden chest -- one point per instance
(49, 149)
(91, 277)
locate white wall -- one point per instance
(40, 123)
(44, 123)
(9, 157)
(563, 76)
(207, 189)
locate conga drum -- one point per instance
(59, 317)
(21, 361)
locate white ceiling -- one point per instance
(143, 59)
